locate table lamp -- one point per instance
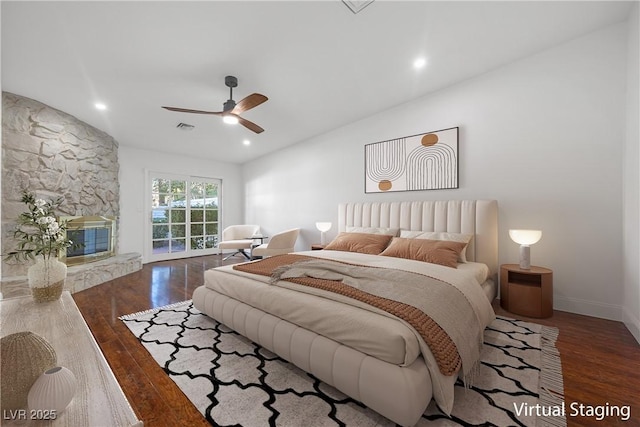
(323, 227)
(525, 238)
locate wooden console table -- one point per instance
(99, 400)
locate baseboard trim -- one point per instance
(588, 308)
(631, 322)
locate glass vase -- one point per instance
(46, 279)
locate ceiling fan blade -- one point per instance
(249, 102)
(186, 110)
(250, 125)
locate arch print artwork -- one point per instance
(428, 161)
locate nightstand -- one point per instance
(317, 247)
(526, 292)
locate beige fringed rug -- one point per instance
(233, 381)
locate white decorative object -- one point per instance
(46, 279)
(525, 238)
(323, 227)
(53, 390)
(24, 356)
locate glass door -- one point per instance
(184, 216)
(203, 215)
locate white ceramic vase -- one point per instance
(46, 279)
(53, 390)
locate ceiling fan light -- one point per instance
(229, 119)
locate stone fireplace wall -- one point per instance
(52, 154)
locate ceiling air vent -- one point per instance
(357, 5)
(185, 126)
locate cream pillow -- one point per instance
(441, 235)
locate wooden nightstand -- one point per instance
(526, 292)
(317, 247)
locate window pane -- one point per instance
(160, 200)
(177, 245)
(160, 185)
(178, 230)
(211, 215)
(160, 216)
(178, 187)
(179, 201)
(197, 230)
(211, 190)
(213, 229)
(211, 242)
(197, 215)
(197, 243)
(161, 247)
(160, 231)
(197, 190)
(178, 215)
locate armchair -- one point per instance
(281, 243)
(238, 238)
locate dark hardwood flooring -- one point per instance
(600, 358)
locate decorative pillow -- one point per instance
(441, 235)
(434, 251)
(364, 243)
(374, 230)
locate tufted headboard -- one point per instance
(477, 217)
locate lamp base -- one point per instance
(525, 257)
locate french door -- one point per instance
(185, 214)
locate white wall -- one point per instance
(631, 263)
(544, 136)
(133, 166)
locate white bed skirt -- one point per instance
(401, 394)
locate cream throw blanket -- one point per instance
(444, 303)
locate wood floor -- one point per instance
(600, 358)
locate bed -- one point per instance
(363, 351)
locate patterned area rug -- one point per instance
(234, 382)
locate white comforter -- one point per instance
(366, 329)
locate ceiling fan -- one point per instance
(231, 110)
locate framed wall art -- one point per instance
(428, 161)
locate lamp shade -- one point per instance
(323, 226)
(525, 237)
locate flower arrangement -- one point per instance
(38, 230)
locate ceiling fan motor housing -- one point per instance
(229, 105)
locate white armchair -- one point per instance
(281, 243)
(238, 238)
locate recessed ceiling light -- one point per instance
(419, 63)
(100, 106)
(246, 142)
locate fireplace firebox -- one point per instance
(94, 238)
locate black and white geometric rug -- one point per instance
(234, 382)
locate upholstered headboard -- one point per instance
(477, 217)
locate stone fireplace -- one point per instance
(53, 154)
